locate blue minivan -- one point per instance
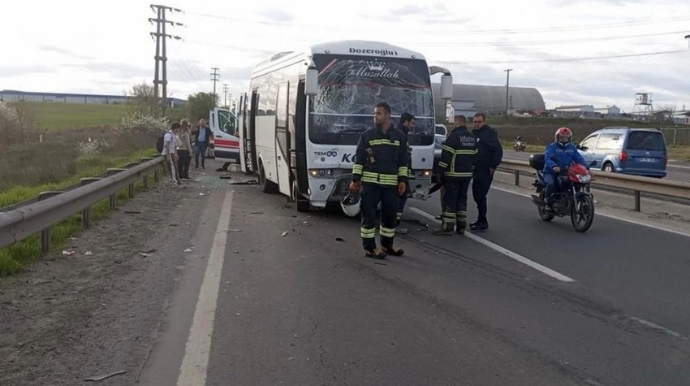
(626, 150)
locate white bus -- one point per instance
(305, 112)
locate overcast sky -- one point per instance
(598, 52)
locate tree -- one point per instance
(199, 104)
(142, 101)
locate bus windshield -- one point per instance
(350, 87)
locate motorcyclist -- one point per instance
(566, 153)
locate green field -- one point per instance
(52, 115)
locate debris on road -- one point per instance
(340, 239)
(249, 182)
(102, 377)
(187, 250)
(67, 253)
(133, 211)
(88, 253)
(284, 234)
(225, 176)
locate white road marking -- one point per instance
(197, 350)
(658, 327)
(613, 216)
(498, 248)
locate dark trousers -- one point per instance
(455, 203)
(183, 161)
(401, 204)
(371, 196)
(200, 152)
(480, 188)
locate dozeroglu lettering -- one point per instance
(372, 51)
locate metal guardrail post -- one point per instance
(86, 212)
(517, 178)
(637, 200)
(113, 197)
(131, 186)
(146, 176)
(45, 234)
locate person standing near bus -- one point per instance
(455, 170)
(203, 139)
(380, 173)
(406, 125)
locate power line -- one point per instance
(566, 59)
(543, 42)
(463, 31)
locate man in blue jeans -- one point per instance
(202, 138)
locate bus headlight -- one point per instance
(423, 173)
(321, 173)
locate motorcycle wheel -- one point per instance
(543, 214)
(582, 214)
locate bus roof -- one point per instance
(345, 47)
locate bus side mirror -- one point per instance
(311, 82)
(447, 87)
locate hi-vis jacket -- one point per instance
(381, 159)
(459, 154)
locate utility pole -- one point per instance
(215, 76)
(507, 87)
(161, 72)
(225, 92)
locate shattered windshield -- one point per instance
(350, 87)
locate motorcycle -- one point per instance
(519, 145)
(572, 197)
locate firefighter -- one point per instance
(455, 170)
(406, 125)
(380, 173)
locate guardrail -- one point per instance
(636, 184)
(22, 220)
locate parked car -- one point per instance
(440, 135)
(627, 150)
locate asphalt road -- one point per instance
(288, 298)
(675, 170)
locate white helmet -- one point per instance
(351, 204)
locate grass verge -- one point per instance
(56, 115)
(15, 258)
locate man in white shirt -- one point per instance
(170, 152)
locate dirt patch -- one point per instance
(97, 312)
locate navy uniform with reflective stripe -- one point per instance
(380, 164)
(403, 199)
(457, 163)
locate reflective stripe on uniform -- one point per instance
(380, 178)
(368, 233)
(375, 142)
(387, 232)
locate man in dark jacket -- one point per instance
(455, 170)
(202, 138)
(380, 172)
(489, 156)
(406, 125)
